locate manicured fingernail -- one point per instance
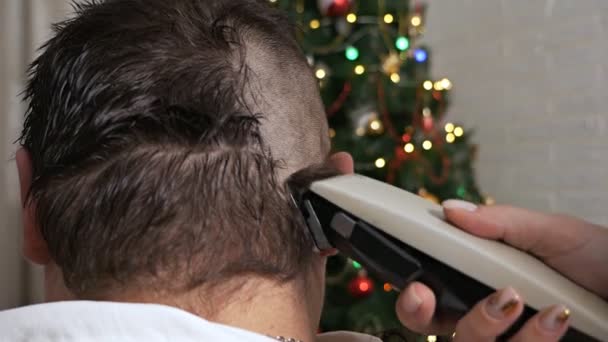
(502, 303)
(459, 204)
(412, 302)
(554, 318)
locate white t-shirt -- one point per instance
(87, 321)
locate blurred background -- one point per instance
(529, 77)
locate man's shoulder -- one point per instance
(121, 322)
(72, 321)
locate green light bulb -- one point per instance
(356, 265)
(402, 43)
(461, 191)
(352, 53)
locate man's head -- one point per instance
(160, 136)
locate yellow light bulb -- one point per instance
(273, 1)
(438, 86)
(428, 85)
(409, 148)
(458, 131)
(450, 138)
(359, 69)
(360, 131)
(395, 77)
(332, 132)
(431, 338)
(315, 24)
(427, 145)
(446, 84)
(449, 127)
(426, 112)
(375, 125)
(320, 73)
(416, 21)
(380, 163)
(351, 18)
(388, 18)
(489, 200)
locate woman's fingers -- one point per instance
(491, 317)
(415, 307)
(486, 321)
(547, 326)
(488, 318)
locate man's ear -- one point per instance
(34, 246)
(342, 161)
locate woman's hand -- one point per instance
(487, 320)
(575, 248)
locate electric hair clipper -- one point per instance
(400, 237)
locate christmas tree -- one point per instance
(384, 108)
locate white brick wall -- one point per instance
(531, 76)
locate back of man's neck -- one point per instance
(259, 306)
(274, 311)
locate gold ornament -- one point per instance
(428, 196)
(416, 27)
(391, 64)
(487, 200)
(366, 122)
(395, 78)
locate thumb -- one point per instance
(342, 161)
(537, 233)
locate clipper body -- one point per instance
(400, 237)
